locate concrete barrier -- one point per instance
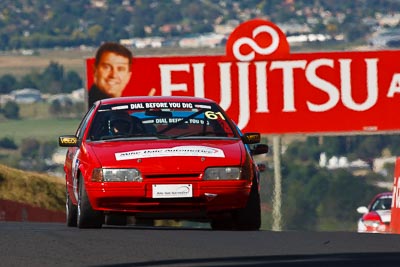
(15, 211)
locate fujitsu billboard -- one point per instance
(265, 88)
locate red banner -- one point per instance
(265, 88)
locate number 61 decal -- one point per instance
(211, 115)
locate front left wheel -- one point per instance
(87, 217)
(245, 219)
(249, 218)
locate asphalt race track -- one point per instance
(52, 244)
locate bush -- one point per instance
(11, 110)
(7, 143)
(30, 148)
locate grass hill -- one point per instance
(38, 190)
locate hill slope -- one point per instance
(35, 189)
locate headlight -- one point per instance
(222, 173)
(116, 175)
(372, 223)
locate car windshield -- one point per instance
(160, 120)
(384, 203)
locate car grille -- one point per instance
(166, 176)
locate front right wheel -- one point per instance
(87, 217)
(71, 211)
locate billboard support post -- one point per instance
(277, 196)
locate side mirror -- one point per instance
(68, 141)
(362, 210)
(260, 149)
(251, 138)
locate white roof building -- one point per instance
(26, 96)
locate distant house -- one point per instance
(78, 95)
(294, 28)
(154, 42)
(62, 99)
(227, 28)
(203, 40)
(385, 38)
(75, 96)
(391, 19)
(59, 156)
(5, 98)
(26, 96)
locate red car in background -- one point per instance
(161, 158)
(376, 217)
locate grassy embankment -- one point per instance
(38, 190)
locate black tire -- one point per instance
(116, 219)
(87, 217)
(71, 212)
(249, 218)
(222, 224)
(144, 222)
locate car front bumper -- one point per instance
(205, 198)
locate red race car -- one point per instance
(376, 217)
(161, 158)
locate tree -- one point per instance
(320, 199)
(7, 83)
(346, 192)
(55, 108)
(4, 40)
(52, 78)
(72, 81)
(29, 148)
(94, 33)
(8, 143)
(46, 149)
(31, 80)
(11, 110)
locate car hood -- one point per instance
(164, 156)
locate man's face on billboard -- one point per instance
(112, 74)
